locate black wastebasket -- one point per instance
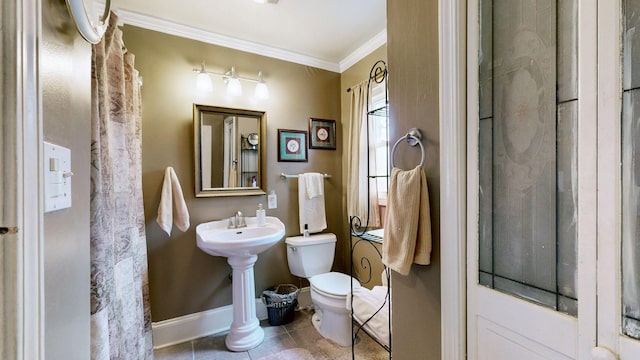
(281, 302)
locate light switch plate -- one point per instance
(57, 177)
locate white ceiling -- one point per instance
(330, 34)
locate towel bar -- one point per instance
(288, 176)
(413, 138)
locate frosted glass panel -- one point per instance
(485, 235)
(631, 213)
(485, 74)
(567, 50)
(567, 199)
(631, 170)
(527, 150)
(631, 50)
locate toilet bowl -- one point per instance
(311, 257)
(329, 294)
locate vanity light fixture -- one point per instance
(231, 78)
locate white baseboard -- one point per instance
(304, 299)
(185, 328)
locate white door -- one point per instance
(554, 180)
(532, 186)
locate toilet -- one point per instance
(311, 257)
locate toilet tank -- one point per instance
(312, 255)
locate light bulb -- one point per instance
(203, 81)
(234, 88)
(262, 91)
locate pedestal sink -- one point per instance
(241, 247)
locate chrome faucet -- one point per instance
(237, 221)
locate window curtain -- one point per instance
(362, 195)
(120, 310)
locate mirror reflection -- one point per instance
(229, 146)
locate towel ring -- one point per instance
(413, 138)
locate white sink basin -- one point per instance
(216, 239)
(241, 247)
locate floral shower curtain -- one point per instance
(120, 310)
(362, 196)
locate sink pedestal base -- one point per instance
(245, 332)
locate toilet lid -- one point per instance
(333, 283)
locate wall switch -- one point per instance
(57, 177)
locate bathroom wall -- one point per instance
(183, 279)
(65, 79)
(354, 75)
(412, 44)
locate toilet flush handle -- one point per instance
(293, 249)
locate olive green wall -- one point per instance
(65, 80)
(412, 42)
(356, 74)
(183, 279)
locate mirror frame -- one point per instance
(198, 109)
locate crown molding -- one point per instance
(168, 27)
(152, 23)
(364, 50)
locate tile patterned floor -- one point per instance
(298, 334)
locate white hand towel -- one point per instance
(172, 199)
(315, 184)
(311, 210)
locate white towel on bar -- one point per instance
(172, 208)
(311, 202)
(315, 185)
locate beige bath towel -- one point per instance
(407, 227)
(172, 208)
(311, 202)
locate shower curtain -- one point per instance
(120, 311)
(362, 196)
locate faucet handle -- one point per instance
(231, 223)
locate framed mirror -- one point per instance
(229, 151)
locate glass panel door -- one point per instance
(527, 150)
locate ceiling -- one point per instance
(329, 34)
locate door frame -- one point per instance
(29, 277)
(457, 164)
(452, 25)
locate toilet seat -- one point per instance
(333, 284)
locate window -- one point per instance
(379, 141)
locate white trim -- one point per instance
(30, 200)
(364, 50)
(304, 298)
(193, 326)
(609, 174)
(188, 32)
(587, 214)
(452, 88)
(168, 27)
